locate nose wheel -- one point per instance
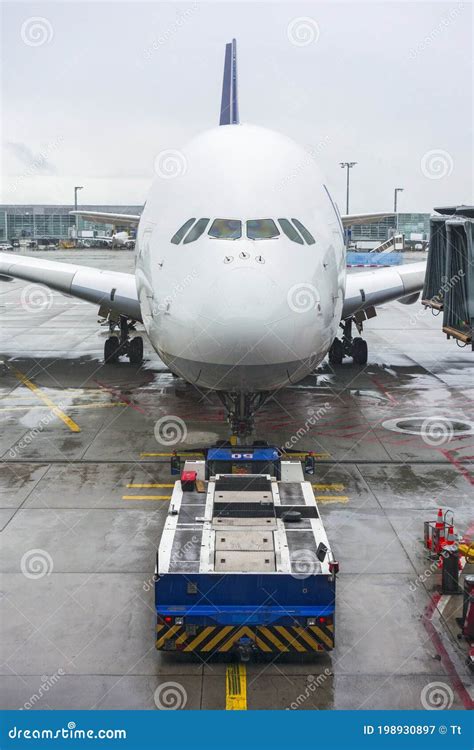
(349, 346)
(123, 345)
(241, 408)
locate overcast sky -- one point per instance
(93, 91)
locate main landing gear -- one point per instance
(117, 346)
(349, 346)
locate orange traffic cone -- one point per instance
(450, 540)
(439, 519)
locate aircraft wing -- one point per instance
(372, 288)
(101, 217)
(350, 220)
(112, 289)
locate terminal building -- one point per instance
(35, 222)
(415, 228)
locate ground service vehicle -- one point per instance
(244, 563)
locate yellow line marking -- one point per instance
(334, 486)
(55, 409)
(147, 486)
(168, 455)
(289, 456)
(146, 497)
(236, 687)
(332, 498)
(73, 407)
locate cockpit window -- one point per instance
(262, 229)
(290, 231)
(226, 229)
(176, 238)
(196, 231)
(307, 236)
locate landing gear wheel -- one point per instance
(111, 347)
(135, 350)
(359, 351)
(336, 352)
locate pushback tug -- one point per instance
(244, 563)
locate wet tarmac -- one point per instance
(79, 539)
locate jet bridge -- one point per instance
(449, 282)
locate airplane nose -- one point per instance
(245, 317)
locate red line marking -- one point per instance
(118, 394)
(384, 390)
(458, 465)
(445, 658)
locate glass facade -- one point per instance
(379, 231)
(414, 224)
(51, 222)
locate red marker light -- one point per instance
(321, 619)
(168, 619)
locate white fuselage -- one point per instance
(241, 315)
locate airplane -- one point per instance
(117, 239)
(240, 277)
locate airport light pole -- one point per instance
(78, 187)
(347, 165)
(76, 223)
(395, 202)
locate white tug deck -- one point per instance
(244, 523)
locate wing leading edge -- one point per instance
(372, 288)
(112, 289)
(102, 217)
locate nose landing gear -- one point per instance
(116, 346)
(241, 408)
(349, 346)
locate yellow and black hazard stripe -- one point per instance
(222, 638)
